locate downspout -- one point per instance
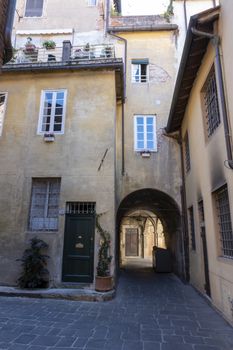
(185, 16)
(8, 29)
(214, 3)
(218, 67)
(184, 212)
(124, 89)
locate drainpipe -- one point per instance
(8, 29)
(124, 88)
(185, 16)
(214, 3)
(218, 67)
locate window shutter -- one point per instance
(34, 8)
(2, 110)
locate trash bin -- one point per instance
(162, 261)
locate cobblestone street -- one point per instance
(150, 312)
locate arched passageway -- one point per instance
(149, 218)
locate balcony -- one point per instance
(35, 56)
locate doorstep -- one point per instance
(58, 293)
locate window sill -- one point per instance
(41, 232)
(225, 260)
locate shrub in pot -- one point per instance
(103, 280)
(35, 273)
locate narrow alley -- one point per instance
(150, 312)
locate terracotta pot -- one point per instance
(103, 284)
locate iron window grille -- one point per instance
(187, 153)
(224, 221)
(44, 204)
(34, 8)
(201, 212)
(80, 208)
(210, 95)
(192, 228)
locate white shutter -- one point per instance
(2, 110)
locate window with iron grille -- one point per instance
(34, 8)
(187, 153)
(52, 112)
(210, 96)
(224, 220)
(192, 228)
(44, 204)
(201, 212)
(3, 98)
(80, 208)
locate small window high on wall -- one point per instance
(34, 8)
(140, 71)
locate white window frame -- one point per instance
(140, 73)
(90, 3)
(42, 13)
(42, 101)
(2, 118)
(45, 221)
(145, 133)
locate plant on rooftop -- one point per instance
(29, 47)
(35, 273)
(49, 44)
(169, 12)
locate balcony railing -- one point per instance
(67, 53)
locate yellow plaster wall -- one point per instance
(207, 174)
(74, 156)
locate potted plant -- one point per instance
(103, 280)
(29, 46)
(49, 44)
(34, 262)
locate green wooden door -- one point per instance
(78, 256)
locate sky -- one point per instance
(144, 7)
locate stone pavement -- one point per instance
(150, 312)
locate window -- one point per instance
(34, 8)
(224, 220)
(187, 153)
(192, 228)
(3, 98)
(210, 96)
(140, 71)
(80, 208)
(44, 204)
(145, 133)
(52, 112)
(92, 2)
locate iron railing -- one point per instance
(35, 55)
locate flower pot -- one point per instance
(103, 284)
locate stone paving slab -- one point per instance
(58, 293)
(150, 312)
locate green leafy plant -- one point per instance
(35, 273)
(49, 44)
(104, 257)
(169, 12)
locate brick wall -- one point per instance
(3, 10)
